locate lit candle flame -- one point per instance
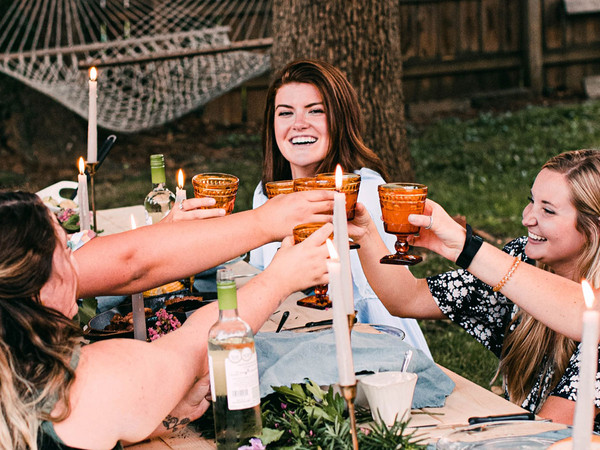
(338, 177)
(81, 165)
(133, 225)
(93, 74)
(588, 293)
(333, 254)
(180, 179)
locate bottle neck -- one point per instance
(227, 295)
(158, 176)
(228, 314)
(159, 186)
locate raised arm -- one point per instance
(401, 293)
(147, 257)
(553, 300)
(125, 388)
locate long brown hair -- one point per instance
(532, 346)
(36, 343)
(344, 122)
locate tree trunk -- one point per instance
(362, 39)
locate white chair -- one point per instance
(55, 190)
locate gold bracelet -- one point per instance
(503, 281)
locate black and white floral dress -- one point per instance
(485, 315)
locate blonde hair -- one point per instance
(532, 346)
(36, 343)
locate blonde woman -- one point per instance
(56, 393)
(530, 318)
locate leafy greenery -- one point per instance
(304, 417)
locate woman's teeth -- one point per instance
(535, 237)
(300, 140)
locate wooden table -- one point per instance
(467, 399)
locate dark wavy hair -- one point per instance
(344, 122)
(36, 342)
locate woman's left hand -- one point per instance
(190, 210)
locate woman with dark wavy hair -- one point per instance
(530, 318)
(56, 393)
(313, 122)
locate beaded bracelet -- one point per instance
(503, 281)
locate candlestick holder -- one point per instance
(349, 393)
(351, 320)
(91, 169)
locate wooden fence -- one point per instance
(457, 48)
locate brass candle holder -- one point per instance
(351, 320)
(91, 169)
(349, 393)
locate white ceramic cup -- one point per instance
(390, 395)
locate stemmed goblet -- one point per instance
(320, 300)
(398, 201)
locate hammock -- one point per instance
(157, 59)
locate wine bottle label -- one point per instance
(213, 389)
(241, 373)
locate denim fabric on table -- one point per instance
(287, 357)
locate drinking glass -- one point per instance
(350, 187)
(220, 186)
(320, 300)
(275, 188)
(313, 183)
(398, 201)
(326, 181)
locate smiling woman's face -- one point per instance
(551, 220)
(301, 128)
(60, 291)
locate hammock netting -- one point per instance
(156, 60)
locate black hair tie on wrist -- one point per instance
(470, 249)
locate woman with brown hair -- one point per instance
(312, 122)
(530, 318)
(56, 393)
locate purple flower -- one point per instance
(255, 444)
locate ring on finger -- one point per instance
(428, 227)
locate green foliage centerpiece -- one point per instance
(304, 416)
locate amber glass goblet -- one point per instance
(327, 182)
(320, 300)
(220, 186)
(275, 188)
(350, 187)
(398, 201)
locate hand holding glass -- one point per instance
(398, 201)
